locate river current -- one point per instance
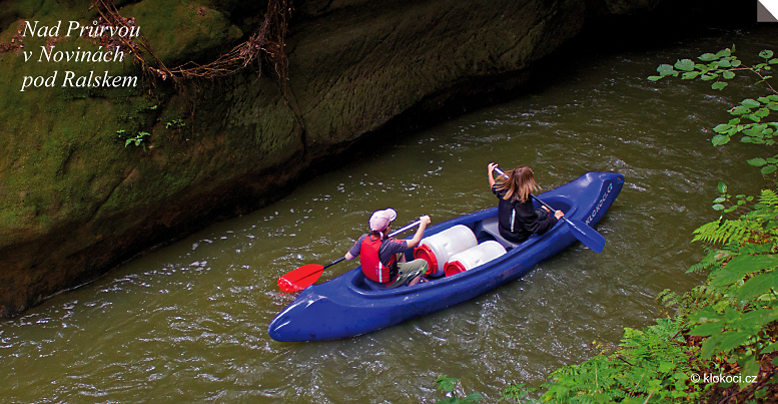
(188, 322)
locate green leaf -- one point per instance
(739, 110)
(753, 130)
(689, 75)
(750, 368)
(686, 65)
(710, 346)
(707, 57)
(473, 398)
(718, 207)
(666, 70)
(724, 53)
(724, 63)
(446, 383)
(704, 330)
(665, 367)
(768, 169)
(705, 314)
(722, 187)
(742, 265)
(680, 376)
(772, 61)
(733, 339)
(756, 248)
(758, 285)
(654, 78)
(761, 393)
(757, 162)
(719, 140)
(719, 85)
(750, 103)
(771, 348)
(728, 75)
(766, 54)
(680, 386)
(709, 76)
(722, 128)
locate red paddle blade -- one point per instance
(300, 278)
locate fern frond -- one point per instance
(768, 197)
(729, 231)
(698, 267)
(713, 257)
(668, 298)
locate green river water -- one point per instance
(187, 323)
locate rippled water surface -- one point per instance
(187, 323)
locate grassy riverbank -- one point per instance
(720, 342)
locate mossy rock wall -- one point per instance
(75, 201)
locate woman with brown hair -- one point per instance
(516, 214)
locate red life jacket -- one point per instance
(372, 266)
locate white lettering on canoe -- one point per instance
(599, 204)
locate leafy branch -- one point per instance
(722, 64)
(750, 115)
(137, 140)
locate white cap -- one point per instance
(381, 219)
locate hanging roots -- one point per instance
(16, 42)
(268, 40)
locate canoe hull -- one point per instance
(347, 306)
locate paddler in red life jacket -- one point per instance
(382, 258)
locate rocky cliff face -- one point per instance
(76, 200)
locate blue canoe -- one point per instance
(347, 305)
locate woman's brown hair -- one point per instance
(520, 182)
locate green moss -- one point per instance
(14, 10)
(181, 31)
(63, 161)
(54, 134)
